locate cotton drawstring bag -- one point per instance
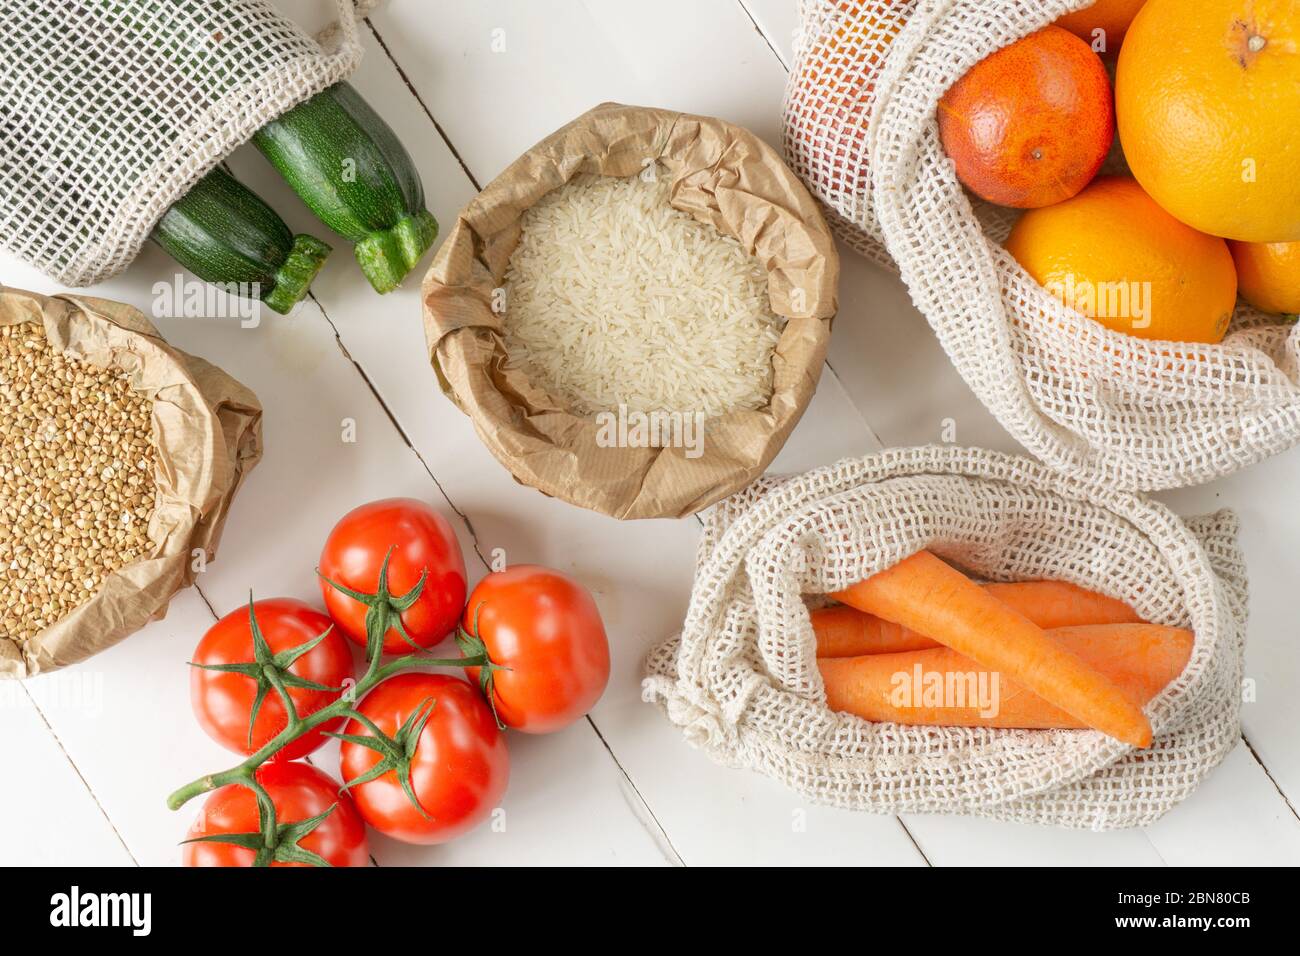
(110, 110)
(860, 130)
(741, 679)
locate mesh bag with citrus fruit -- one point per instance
(1097, 208)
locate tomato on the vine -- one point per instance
(457, 770)
(542, 632)
(416, 542)
(299, 792)
(229, 673)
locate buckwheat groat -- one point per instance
(76, 480)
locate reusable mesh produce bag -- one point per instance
(110, 110)
(741, 680)
(860, 129)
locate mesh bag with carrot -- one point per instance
(958, 631)
(1126, 313)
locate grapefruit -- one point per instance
(1208, 95)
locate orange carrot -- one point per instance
(941, 687)
(1052, 604)
(930, 597)
(847, 632)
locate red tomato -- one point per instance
(459, 769)
(543, 631)
(422, 540)
(223, 700)
(299, 792)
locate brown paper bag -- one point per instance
(722, 175)
(208, 430)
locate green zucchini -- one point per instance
(225, 234)
(348, 165)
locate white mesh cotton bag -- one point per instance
(860, 129)
(741, 679)
(110, 110)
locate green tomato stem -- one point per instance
(376, 673)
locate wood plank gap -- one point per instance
(80, 776)
(1154, 849)
(343, 349)
(204, 598)
(1263, 766)
(839, 383)
(915, 843)
(657, 833)
(767, 40)
(424, 106)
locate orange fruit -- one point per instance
(838, 77)
(1268, 274)
(1111, 17)
(1113, 254)
(1208, 96)
(842, 64)
(1031, 124)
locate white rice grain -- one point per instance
(614, 297)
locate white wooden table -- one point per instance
(468, 85)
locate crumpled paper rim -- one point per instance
(207, 430)
(721, 174)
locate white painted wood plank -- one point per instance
(895, 371)
(556, 813)
(1264, 500)
(1234, 819)
(132, 737)
(697, 57)
(460, 109)
(879, 360)
(777, 20)
(966, 841)
(48, 817)
(640, 571)
(310, 477)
